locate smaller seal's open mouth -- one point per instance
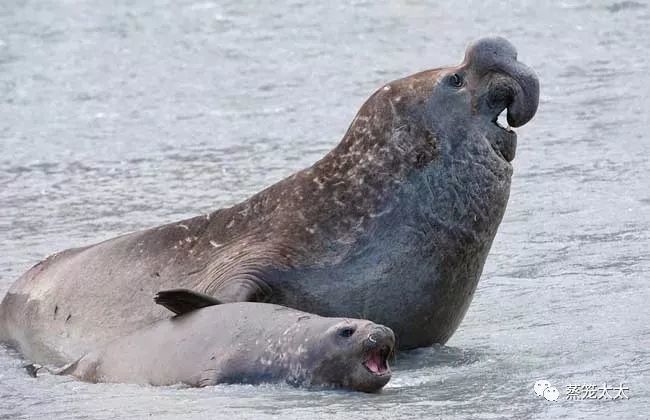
(377, 361)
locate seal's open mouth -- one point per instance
(502, 138)
(501, 121)
(377, 361)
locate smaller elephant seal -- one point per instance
(209, 343)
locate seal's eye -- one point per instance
(346, 332)
(456, 80)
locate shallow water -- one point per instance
(124, 116)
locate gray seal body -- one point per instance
(393, 225)
(245, 342)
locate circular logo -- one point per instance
(540, 386)
(551, 393)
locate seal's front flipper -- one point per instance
(181, 301)
(244, 288)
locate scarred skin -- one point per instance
(393, 225)
(244, 342)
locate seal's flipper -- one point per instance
(181, 301)
(33, 369)
(244, 288)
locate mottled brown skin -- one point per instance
(393, 225)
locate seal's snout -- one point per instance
(520, 94)
(379, 346)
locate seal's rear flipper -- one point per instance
(181, 301)
(33, 369)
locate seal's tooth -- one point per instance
(502, 120)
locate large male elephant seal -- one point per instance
(393, 225)
(244, 342)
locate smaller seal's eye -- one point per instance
(346, 332)
(456, 80)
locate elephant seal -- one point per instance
(243, 342)
(393, 225)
